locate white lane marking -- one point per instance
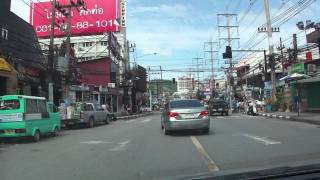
(120, 147)
(131, 121)
(263, 140)
(146, 120)
(211, 164)
(219, 117)
(95, 142)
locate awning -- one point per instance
(5, 67)
(310, 80)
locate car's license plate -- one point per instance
(9, 131)
(220, 109)
(214, 110)
(188, 116)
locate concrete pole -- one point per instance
(51, 52)
(230, 68)
(67, 50)
(271, 50)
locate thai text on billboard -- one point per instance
(99, 17)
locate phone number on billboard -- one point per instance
(80, 25)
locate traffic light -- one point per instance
(174, 80)
(228, 53)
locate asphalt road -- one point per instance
(138, 149)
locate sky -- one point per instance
(177, 30)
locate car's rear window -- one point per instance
(185, 104)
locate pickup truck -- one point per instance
(89, 114)
(218, 105)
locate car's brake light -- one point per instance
(173, 114)
(204, 113)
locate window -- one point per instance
(87, 107)
(31, 106)
(42, 106)
(185, 104)
(104, 43)
(87, 44)
(9, 104)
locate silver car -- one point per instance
(183, 115)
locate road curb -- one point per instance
(133, 116)
(289, 118)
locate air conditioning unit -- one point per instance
(312, 69)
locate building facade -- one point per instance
(22, 64)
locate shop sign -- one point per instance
(4, 65)
(114, 45)
(123, 13)
(297, 68)
(111, 85)
(79, 88)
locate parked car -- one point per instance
(27, 116)
(183, 115)
(218, 105)
(89, 114)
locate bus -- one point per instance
(27, 116)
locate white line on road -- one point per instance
(146, 120)
(95, 142)
(130, 121)
(211, 164)
(263, 140)
(120, 147)
(219, 117)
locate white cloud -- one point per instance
(175, 10)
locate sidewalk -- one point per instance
(133, 116)
(306, 117)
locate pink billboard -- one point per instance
(99, 17)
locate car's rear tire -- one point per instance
(165, 131)
(91, 123)
(226, 113)
(107, 120)
(206, 130)
(221, 113)
(36, 136)
(56, 132)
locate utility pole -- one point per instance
(295, 48)
(211, 51)
(150, 94)
(66, 11)
(229, 40)
(198, 71)
(282, 59)
(161, 90)
(271, 50)
(51, 52)
(265, 64)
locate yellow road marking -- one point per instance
(211, 164)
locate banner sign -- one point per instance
(100, 16)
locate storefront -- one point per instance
(8, 78)
(29, 82)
